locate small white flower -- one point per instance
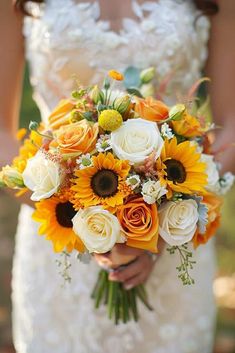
(84, 161)
(166, 131)
(133, 181)
(152, 191)
(103, 143)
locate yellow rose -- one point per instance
(61, 115)
(188, 126)
(75, 139)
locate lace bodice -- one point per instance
(68, 39)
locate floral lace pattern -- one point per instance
(69, 38)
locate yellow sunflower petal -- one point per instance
(184, 162)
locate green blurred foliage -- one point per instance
(29, 110)
(226, 236)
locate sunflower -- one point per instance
(180, 169)
(29, 148)
(103, 183)
(55, 215)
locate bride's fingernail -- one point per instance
(128, 286)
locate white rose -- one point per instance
(211, 171)
(136, 139)
(152, 191)
(178, 221)
(99, 229)
(42, 176)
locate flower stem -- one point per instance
(121, 304)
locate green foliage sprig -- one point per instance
(186, 263)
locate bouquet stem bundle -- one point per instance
(122, 304)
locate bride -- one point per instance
(63, 38)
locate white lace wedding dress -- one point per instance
(66, 39)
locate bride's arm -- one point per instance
(221, 70)
(11, 73)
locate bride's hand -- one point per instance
(137, 272)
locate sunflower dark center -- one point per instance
(64, 214)
(105, 183)
(175, 171)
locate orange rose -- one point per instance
(188, 126)
(213, 203)
(151, 109)
(139, 222)
(76, 138)
(61, 114)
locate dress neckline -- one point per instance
(141, 12)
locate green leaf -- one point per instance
(132, 77)
(101, 107)
(134, 91)
(88, 116)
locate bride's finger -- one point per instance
(103, 259)
(135, 281)
(131, 270)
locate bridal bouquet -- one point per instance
(114, 167)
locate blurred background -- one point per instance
(224, 285)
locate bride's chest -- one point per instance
(69, 38)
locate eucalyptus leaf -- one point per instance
(88, 116)
(101, 107)
(132, 77)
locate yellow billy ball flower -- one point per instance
(110, 120)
